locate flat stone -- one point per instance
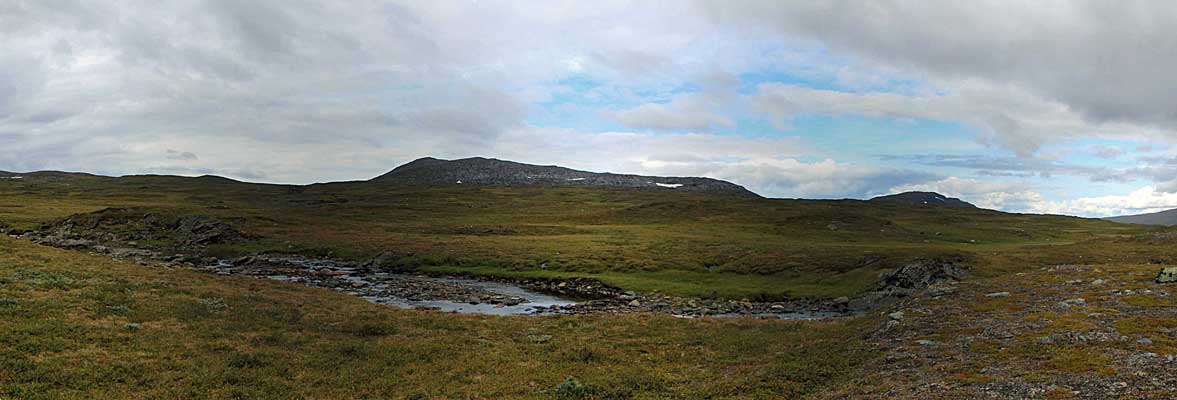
(1072, 302)
(998, 294)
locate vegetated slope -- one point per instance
(924, 198)
(85, 326)
(690, 243)
(1093, 329)
(489, 171)
(1166, 218)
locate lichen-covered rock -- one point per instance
(1167, 275)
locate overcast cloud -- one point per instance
(1049, 106)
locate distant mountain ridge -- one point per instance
(1166, 218)
(923, 198)
(431, 171)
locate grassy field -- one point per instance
(81, 326)
(74, 325)
(679, 243)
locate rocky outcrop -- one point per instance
(909, 279)
(921, 274)
(491, 172)
(128, 227)
(203, 229)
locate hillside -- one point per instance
(922, 199)
(1165, 218)
(430, 171)
(1027, 306)
(692, 243)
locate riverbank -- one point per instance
(79, 325)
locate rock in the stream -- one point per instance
(1167, 275)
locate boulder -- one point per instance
(921, 274)
(1167, 275)
(203, 229)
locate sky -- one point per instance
(1043, 107)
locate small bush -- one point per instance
(370, 329)
(246, 360)
(572, 389)
(214, 304)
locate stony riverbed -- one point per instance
(189, 236)
(499, 296)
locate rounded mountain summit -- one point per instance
(431, 171)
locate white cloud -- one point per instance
(770, 166)
(1144, 200)
(303, 91)
(1022, 198)
(688, 111)
(1013, 118)
(985, 194)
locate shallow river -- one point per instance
(442, 294)
(534, 299)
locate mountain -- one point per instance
(923, 198)
(1166, 218)
(430, 171)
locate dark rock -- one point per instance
(203, 229)
(921, 274)
(126, 227)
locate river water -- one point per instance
(534, 299)
(446, 294)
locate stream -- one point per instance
(475, 296)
